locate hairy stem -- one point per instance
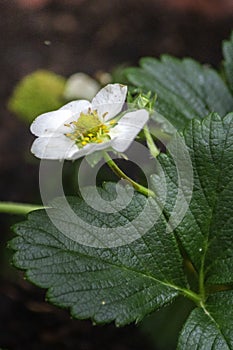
(114, 167)
(202, 279)
(18, 208)
(192, 296)
(150, 142)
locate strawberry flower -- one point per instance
(81, 127)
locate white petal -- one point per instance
(89, 149)
(58, 147)
(127, 129)
(51, 124)
(110, 100)
(76, 107)
(76, 153)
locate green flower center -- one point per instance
(89, 129)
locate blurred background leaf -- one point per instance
(185, 89)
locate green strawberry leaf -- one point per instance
(228, 60)
(185, 89)
(206, 230)
(210, 327)
(124, 283)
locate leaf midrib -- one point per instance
(126, 268)
(212, 319)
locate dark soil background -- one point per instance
(87, 36)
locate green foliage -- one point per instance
(210, 327)
(206, 230)
(125, 283)
(121, 284)
(228, 60)
(185, 89)
(37, 93)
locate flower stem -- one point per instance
(150, 142)
(161, 135)
(18, 208)
(202, 274)
(114, 167)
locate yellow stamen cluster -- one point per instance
(89, 129)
